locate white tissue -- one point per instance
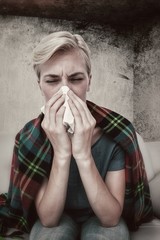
(68, 119)
(43, 110)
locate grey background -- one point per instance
(125, 69)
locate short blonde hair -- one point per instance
(56, 42)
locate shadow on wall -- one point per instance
(125, 68)
(147, 81)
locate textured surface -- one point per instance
(125, 69)
(20, 98)
(147, 83)
(102, 11)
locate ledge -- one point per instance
(99, 11)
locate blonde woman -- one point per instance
(72, 185)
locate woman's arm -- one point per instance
(106, 198)
(51, 197)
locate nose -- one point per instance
(65, 82)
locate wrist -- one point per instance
(84, 160)
(62, 159)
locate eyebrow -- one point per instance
(76, 73)
(51, 75)
(72, 75)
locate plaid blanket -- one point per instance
(32, 159)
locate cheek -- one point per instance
(48, 92)
(47, 96)
(80, 91)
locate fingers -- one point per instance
(59, 118)
(51, 109)
(80, 109)
(77, 117)
(84, 127)
(54, 110)
(51, 102)
(53, 126)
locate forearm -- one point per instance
(103, 203)
(53, 196)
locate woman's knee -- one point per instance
(92, 229)
(66, 230)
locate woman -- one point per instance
(75, 182)
(70, 66)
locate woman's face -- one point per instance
(66, 68)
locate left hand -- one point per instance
(81, 140)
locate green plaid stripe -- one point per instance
(34, 166)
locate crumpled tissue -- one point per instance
(68, 119)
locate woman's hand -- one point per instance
(54, 128)
(50, 200)
(84, 126)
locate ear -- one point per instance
(89, 83)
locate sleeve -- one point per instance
(117, 160)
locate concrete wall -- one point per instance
(20, 98)
(125, 67)
(147, 81)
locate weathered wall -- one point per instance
(126, 72)
(147, 81)
(20, 98)
(115, 12)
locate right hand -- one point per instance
(54, 128)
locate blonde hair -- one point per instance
(57, 42)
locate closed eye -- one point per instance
(77, 76)
(76, 79)
(52, 80)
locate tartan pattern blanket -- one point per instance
(32, 159)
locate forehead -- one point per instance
(67, 61)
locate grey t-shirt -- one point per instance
(108, 156)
